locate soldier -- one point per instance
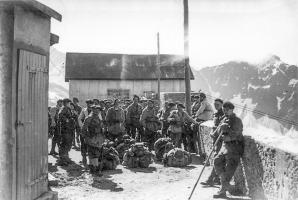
(149, 121)
(115, 121)
(205, 111)
(94, 138)
(196, 105)
(56, 128)
(67, 126)
(177, 119)
(78, 110)
(74, 116)
(133, 115)
(163, 116)
(218, 116)
(83, 115)
(228, 158)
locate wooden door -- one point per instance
(32, 125)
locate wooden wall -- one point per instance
(84, 89)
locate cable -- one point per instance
(280, 119)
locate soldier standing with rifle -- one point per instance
(94, 138)
(218, 116)
(83, 115)
(150, 122)
(228, 158)
(133, 115)
(67, 126)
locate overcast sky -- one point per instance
(220, 30)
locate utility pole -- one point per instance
(158, 68)
(186, 58)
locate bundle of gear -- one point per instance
(137, 155)
(110, 157)
(160, 147)
(177, 158)
(123, 145)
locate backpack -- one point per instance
(159, 147)
(110, 158)
(177, 158)
(137, 155)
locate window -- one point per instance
(118, 93)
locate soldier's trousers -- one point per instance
(132, 130)
(164, 129)
(176, 138)
(149, 137)
(227, 160)
(213, 176)
(83, 146)
(66, 143)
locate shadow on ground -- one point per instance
(104, 183)
(74, 170)
(144, 170)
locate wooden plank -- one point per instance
(30, 131)
(20, 170)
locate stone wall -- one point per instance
(265, 172)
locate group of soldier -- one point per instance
(89, 127)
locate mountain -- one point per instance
(57, 87)
(268, 89)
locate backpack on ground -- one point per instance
(137, 155)
(177, 158)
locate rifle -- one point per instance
(213, 148)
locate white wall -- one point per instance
(84, 89)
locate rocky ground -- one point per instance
(154, 183)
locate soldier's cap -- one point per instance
(150, 100)
(95, 100)
(228, 105)
(59, 100)
(196, 96)
(95, 107)
(136, 96)
(202, 95)
(219, 100)
(181, 105)
(89, 101)
(66, 100)
(171, 104)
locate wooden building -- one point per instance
(100, 75)
(25, 41)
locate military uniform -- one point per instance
(218, 117)
(67, 126)
(164, 114)
(115, 123)
(151, 124)
(177, 120)
(228, 158)
(94, 138)
(83, 115)
(133, 115)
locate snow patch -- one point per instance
(286, 140)
(293, 82)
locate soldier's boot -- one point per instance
(223, 189)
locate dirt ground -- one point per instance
(154, 183)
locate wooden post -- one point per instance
(6, 138)
(186, 58)
(158, 68)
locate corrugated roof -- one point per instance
(103, 66)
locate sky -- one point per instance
(219, 30)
